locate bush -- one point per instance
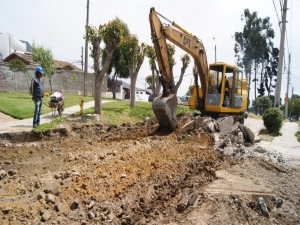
(273, 120)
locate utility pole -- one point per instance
(82, 57)
(86, 50)
(215, 51)
(291, 102)
(281, 52)
(287, 91)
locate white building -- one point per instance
(10, 44)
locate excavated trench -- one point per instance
(127, 174)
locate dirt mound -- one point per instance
(94, 173)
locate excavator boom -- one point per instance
(164, 106)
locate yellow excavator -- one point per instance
(222, 90)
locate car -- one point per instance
(150, 98)
(184, 100)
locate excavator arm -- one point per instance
(164, 107)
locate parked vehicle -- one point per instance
(150, 98)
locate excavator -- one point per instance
(222, 90)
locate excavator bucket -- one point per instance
(164, 109)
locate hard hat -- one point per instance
(39, 70)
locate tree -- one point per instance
(262, 103)
(134, 54)
(44, 57)
(112, 34)
(253, 46)
(155, 84)
(185, 59)
(271, 71)
(118, 65)
(16, 65)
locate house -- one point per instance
(123, 90)
(27, 60)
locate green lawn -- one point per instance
(20, 106)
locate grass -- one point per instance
(20, 106)
(117, 111)
(47, 126)
(252, 115)
(120, 112)
(298, 135)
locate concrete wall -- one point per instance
(64, 81)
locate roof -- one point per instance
(26, 58)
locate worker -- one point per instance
(37, 95)
(226, 92)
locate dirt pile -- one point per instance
(138, 174)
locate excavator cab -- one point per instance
(226, 90)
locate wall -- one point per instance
(64, 81)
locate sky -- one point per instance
(60, 26)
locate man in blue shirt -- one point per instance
(37, 95)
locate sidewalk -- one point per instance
(26, 124)
(286, 144)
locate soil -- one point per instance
(95, 173)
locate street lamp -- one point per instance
(215, 50)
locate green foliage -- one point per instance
(262, 103)
(254, 46)
(45, 58)
(298, 135)
(43, 128)
(16, 65)
(273, 120)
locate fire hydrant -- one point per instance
(81, 105)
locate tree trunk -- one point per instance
(132, 90)
(114, 86)
(153, 83)
(98, 93)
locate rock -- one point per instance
(2, 174)
(240, 139)
(50, 198)
(91, 205)
(248, 134)
(11, 172)
(57, 207)
(278, 202)
(46, 215)
(216, 137)
(70, 157)
(263, 207)
(228, 151)
(199, 121)
(225, 125)
(41, 195)
(211, 127)
(259, 149)
(187, 127)
(91, 215)
(75, 204)
(123, 176)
